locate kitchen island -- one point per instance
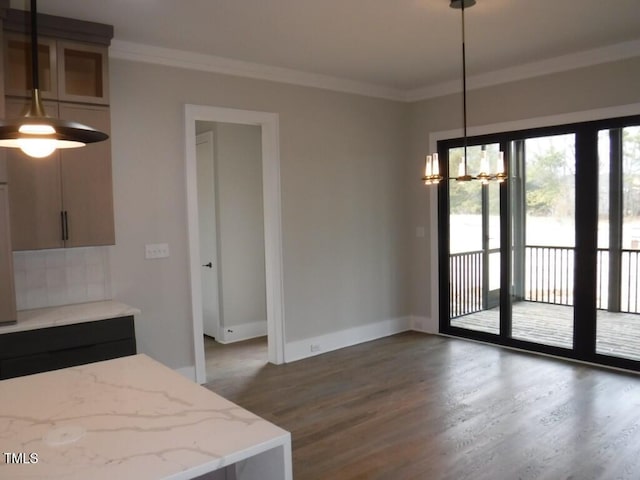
(132, 418)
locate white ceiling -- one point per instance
(396, 44)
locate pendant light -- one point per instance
(432, 176)
(37, 134)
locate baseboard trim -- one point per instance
(344, 338)
(245, 331)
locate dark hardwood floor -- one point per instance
(416, 406)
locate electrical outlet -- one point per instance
(156, 250)
(315, 347)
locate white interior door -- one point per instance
(208, 238)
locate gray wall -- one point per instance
(240, 219)
(344, 204)
(602, 86)
(351, 196)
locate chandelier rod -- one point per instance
(35, 75)
(464, 91)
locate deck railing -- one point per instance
(629, 288)
(549, 274)
(465, 286)
(548, 278)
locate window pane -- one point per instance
(550, 190)
(546, 314)
(618, 296)
(474, 262)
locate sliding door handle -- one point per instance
(66, 226)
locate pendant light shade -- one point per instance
(36, 133)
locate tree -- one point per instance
(549, 175)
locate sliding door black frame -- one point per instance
(586, 221)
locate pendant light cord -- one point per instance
(35, 77)
(464, 92)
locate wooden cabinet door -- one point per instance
(4, 177)
(34, 194)
(87, 187)
(17, 66)
(83, 72)
(3, 166)
(7, 293)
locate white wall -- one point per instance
(598, 87)
(345, 213)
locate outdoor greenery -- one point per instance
(465, 197)
(549, 173)
(631, 171)
(549, 176)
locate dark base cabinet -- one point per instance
(41, 350)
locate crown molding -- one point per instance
(137, 52)
(210, 63)
(611, 53)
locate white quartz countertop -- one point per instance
(68, 314)
(128, 418)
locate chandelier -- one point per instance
(432, 166)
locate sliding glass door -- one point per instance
(544, 312)
(618, 290)
(474, 246)
(550, 259)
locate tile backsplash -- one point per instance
(48, 278)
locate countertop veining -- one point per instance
(129, 418)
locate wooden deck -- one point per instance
(618, 334)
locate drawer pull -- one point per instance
(70, 349)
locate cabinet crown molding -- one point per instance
(58, 27)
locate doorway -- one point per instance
(231, 226)
(195, 117)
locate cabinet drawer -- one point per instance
(32, 342)
(54, 360)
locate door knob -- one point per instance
(208, 265)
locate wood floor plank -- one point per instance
(416, 406)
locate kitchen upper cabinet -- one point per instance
(68, 71)
(66, 199)
(7, 293)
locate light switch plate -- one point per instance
(156, 250)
